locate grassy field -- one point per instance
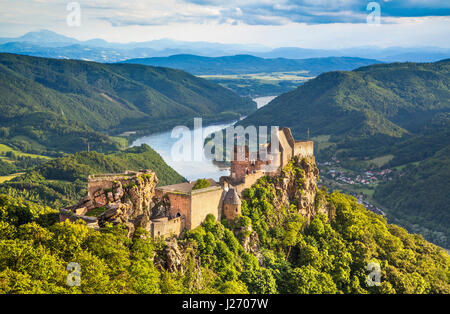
(322, 141)
(300, 76)
(123, 142)
(4, 149)
(381, 161)
(9, 177)
(260, 84)
(400, 168)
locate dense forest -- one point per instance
(49, 106)
(418, 198)
(328, 255)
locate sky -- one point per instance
(272, 23)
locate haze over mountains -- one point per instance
(244, 64)
(39, 44)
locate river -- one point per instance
(162, 143)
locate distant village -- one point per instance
(335, 172)
(331, 171)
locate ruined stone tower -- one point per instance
(231, 205)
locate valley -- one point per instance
(162, 143)
(224, 155)
(378, 165)
(260, 84)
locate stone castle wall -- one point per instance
(286, 149)
(250, 179)
(180, 203)
(164, 227)
(204, 202)
(194, 205)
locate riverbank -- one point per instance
(162, 143)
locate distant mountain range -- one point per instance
(244, 64)
(49, 44)
(390, 54)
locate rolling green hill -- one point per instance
(252, 76)
(385, 99)
(49, 105)
(419, 198)
(62, 181)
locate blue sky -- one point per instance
(301, 23)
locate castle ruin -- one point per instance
(133, 199)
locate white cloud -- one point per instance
(269, 22)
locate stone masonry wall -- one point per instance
(164, 227)
(204, 202)
(179, 203)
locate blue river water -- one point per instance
(163, 142)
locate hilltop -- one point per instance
(49, 105)
(383, 99)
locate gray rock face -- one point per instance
(300, 188)
(174, 258)
(250, 243)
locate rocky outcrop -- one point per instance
(250, 242)
(115, 214)
(126, 199)
(132, 202)
(297, 184)
(173, 257)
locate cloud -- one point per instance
(254, 12)
(120, 13)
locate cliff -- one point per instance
(275, 202)
(117, 199)
(297, 184)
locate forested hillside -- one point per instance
(49, 105)
(63, 181)
(419, 198)
(389, 100)
(398, 112)
(269, 249)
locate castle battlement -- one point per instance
(246, 170)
